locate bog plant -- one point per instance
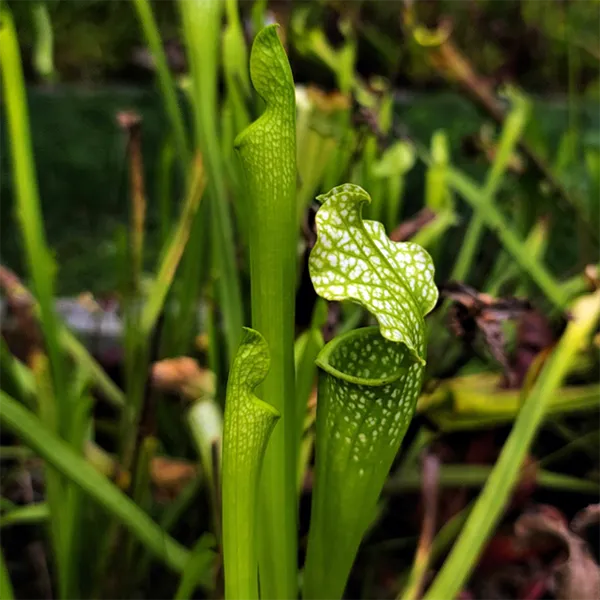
(368, 378)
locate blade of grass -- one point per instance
(55, 489)
(166, 83)
(17, 374)
(473, 476)
(70, 344)
(201, 21)
(6, 589)
(164, 181)
(28, 514)
(511, 134)
(105, 384)
(168, 520)
(492, 500)
(39, 260)
(174, 249)
(198, 570)
(494, 220)
(32, 432)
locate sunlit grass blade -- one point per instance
(494, 220)
(30, 514)
(174, 249)
(475, 476)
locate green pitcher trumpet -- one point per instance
(369, 379)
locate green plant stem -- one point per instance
(173, 249)
(492, 500)
(267, 150)
(77, 351)
(198, 570)
(165, 81)
(201, 25)
(28, 514)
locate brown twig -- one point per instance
(130, 123)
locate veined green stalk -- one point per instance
(267, 149)
(368, 388)
(248, 425)
(369, 380)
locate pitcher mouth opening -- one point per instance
(365, 357)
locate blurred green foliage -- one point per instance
(527, 41)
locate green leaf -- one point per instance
(355, 260)
(248, 425)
